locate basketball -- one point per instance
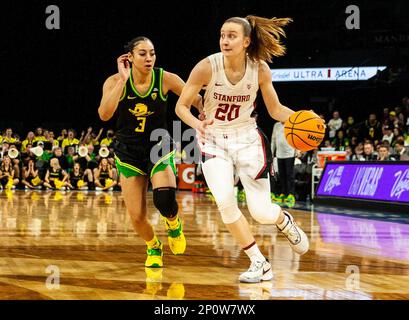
(304, 130)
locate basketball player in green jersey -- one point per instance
(137, 96)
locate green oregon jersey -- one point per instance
(138, 115)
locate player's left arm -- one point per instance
(274, 107)
(172, 82)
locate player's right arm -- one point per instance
(113, 89)
(200, 76)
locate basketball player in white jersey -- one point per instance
(229, 139)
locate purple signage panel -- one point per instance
(369, 181)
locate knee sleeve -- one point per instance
(265, 213)
(164, 200)
(230, 214)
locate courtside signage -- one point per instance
(382, 182)
(325, 74)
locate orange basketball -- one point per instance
(304, 130)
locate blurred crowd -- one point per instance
(43, 161)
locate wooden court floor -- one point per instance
(71, 245)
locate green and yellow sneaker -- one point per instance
(176, 238)
(274, 198)
(290, 198)
(154, 259)
(281, 198)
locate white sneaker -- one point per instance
(258, 271)
(295, 235)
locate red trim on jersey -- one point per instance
(208, 155)
(264, 153)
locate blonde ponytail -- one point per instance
(265, 37)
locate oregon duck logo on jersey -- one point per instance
(153, 96)
(140, 109)
(140, 112)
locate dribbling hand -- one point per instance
(124, 66)
(201, 129)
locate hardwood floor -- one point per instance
(72, 245)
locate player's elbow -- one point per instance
(103, 115)
(179, 109)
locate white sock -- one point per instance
(254, 253)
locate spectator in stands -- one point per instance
(108, 139)
(51, 141)
(392, 118)
(69, 141)
(384, 154)
(285, 155)
(388, 133)
(369, 153)
(78, 179)
(89, 161)
(71, 157)
(350, 128)
(56, 177)
(104, 176)
(63, 135)
(358, 153)
(334, 124)
(401, 121)
(28, 140)
(396, 134)
(62, 160)
(328, 144)
(30, 177)
(26, 155)
(8, 136)
(372, 128)
(8, 180)
(39, 135)
(401, 151)
(340, 141)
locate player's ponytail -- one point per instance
(265, 37)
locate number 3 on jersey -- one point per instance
(141, 127)
(227, 112)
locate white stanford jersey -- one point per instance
(230, 105)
